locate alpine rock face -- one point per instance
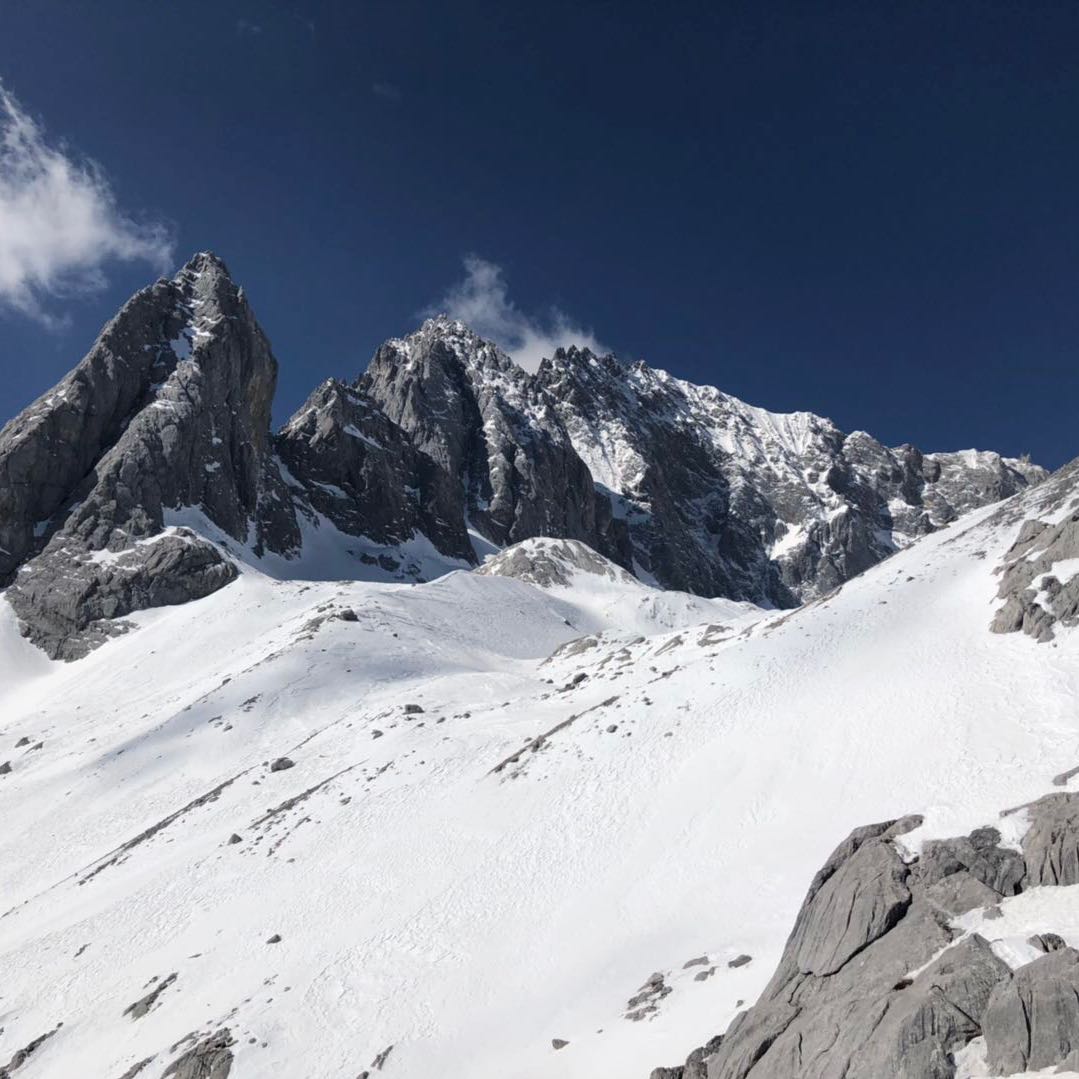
(133, 483)
(171, 408)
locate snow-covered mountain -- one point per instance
(299, 828)
(443, 451)
(321, 795)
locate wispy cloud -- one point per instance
(59, 222)
(481, 300)
(386, 90)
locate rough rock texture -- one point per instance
(1039, 580)
(683, 484)
(1032, 1020)
(170, 409)
(469, 408)
(696, 1065)
(359, 469)
(876, 980)
(726, 499)
(441, 449)
(210, 1059)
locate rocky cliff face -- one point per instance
(490, 427)
(170, 409)
(360, 471)
(726, 499)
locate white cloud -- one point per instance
(481, 302)
(59, 222)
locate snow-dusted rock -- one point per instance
(878, 978)
(488, 425)
(361, 471)
(722, 498)
(170, 408)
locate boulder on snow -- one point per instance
(211, 1058)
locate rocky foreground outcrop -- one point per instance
(877, 978)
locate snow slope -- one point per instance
(509, 865)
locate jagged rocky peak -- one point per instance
(723, 498)
(467, 406)
(170, 410)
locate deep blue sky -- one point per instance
(869, 210)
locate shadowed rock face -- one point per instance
(875, 980)
(359, 469)
(170, 409)
(484, 421)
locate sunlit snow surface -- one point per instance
(466, 915)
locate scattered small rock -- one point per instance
(347, 614)
(377, 734)
(281, 764)
(612, 728)
(381, 1058)
(275, 939)
(5, 768)
(559, 1043)
(740, 961)
(1047, 942)
(413, 710)
(22, 742)
(234, 838)
(700, 961)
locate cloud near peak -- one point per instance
(59, 222)
(481, 300)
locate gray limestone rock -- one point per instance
(168, 414)
(211, 1058)
(1037, 596)
(360, 470)
(873, 980)
(145, 1003)
(1051, 844)
(490, 428)
(1047, 942)
(721, 499)
(1032, 1021)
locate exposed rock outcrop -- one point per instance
(170, 409)
(487, 424)
(722, 498)
(878, 979)
(211, 1058)
(361, 471)
(1039, 580)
